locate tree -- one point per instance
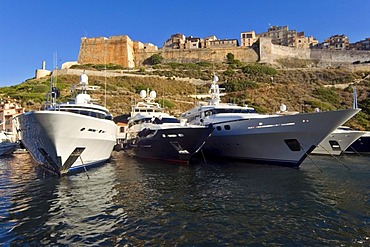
(156, 59)
(230, 57)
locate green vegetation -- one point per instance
(233, 63)
(98, 67)
(230, 57)
(156, 59)
(232, 86)
(259, 85)
(167, 104)
(258, 69)
(328, 95)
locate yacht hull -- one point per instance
(337, 142)
(361, 145)
(284, 140)
(176, 144)
(7, 148)
(65, 142)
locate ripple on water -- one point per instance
(136, 202)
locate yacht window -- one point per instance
(218, 128)
(158, 121)
(85, 113)
(73, 108)
(293, 144)
(335, 145)
(248, 111)
(170, 120)
(109, 117)
(227, 127)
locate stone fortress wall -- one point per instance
(116, 50)
(270, 53)
(133, 54)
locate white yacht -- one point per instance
(68, 137)
(6, 145)
(338, 141)
(154, 134)
(241, 133)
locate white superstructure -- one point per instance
(152, 133)
(242, 133)
(68, 136)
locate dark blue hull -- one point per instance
(175, 144)
(361, 145)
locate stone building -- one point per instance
(179, 41)
(224, 43)
(281, 35)
(193, 43)
(208, 40)
(361, 45)
(9, 110)
(301, 41)
(248, 38)
(176, 41)
(335, 42)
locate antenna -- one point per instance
(53, 90)
(355, 98)
(105, 73)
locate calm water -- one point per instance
(139, 203)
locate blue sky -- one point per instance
(33, 31)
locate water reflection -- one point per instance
(138, 202)
(24, 204)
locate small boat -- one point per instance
(68, 137)
(361, 145)
(154, 134)
(338, 141)
(242, 133)
(6, 145)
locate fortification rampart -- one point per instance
(243, 54)
(327, 57)
(132, 54)
(116, 50)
